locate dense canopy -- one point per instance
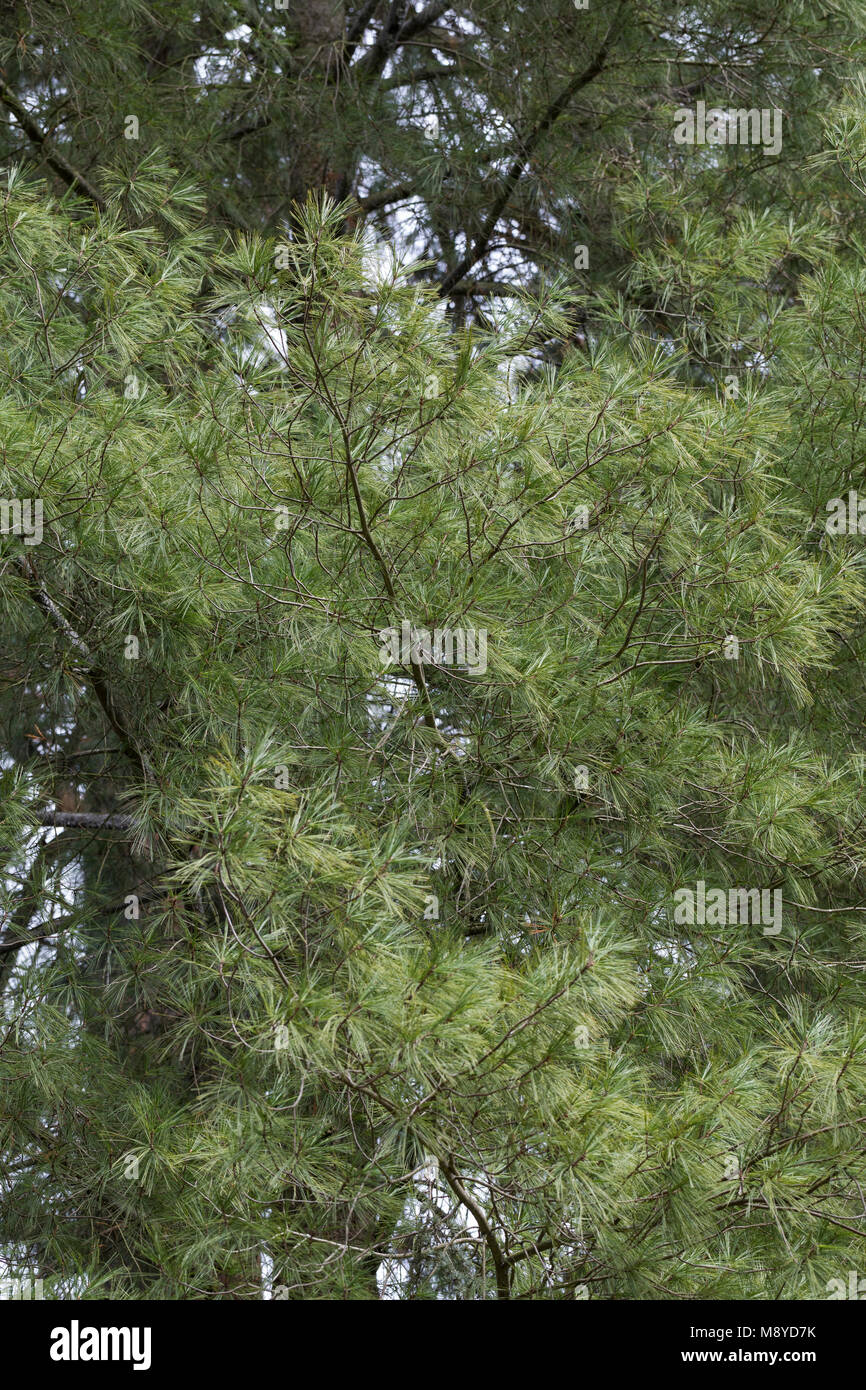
(434, 621)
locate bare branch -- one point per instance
(85, 820)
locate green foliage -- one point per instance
(333, 979)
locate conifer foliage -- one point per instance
(431, 685)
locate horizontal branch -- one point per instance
(384, 197)
(85, 820)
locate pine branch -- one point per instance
(385, 196)
(94, 673)
(86, 820)
(394, 34)
(53, 158)
(15, 935)
(356, 29)
(551, 115)
(500, 1264)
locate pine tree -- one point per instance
(431, 725)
